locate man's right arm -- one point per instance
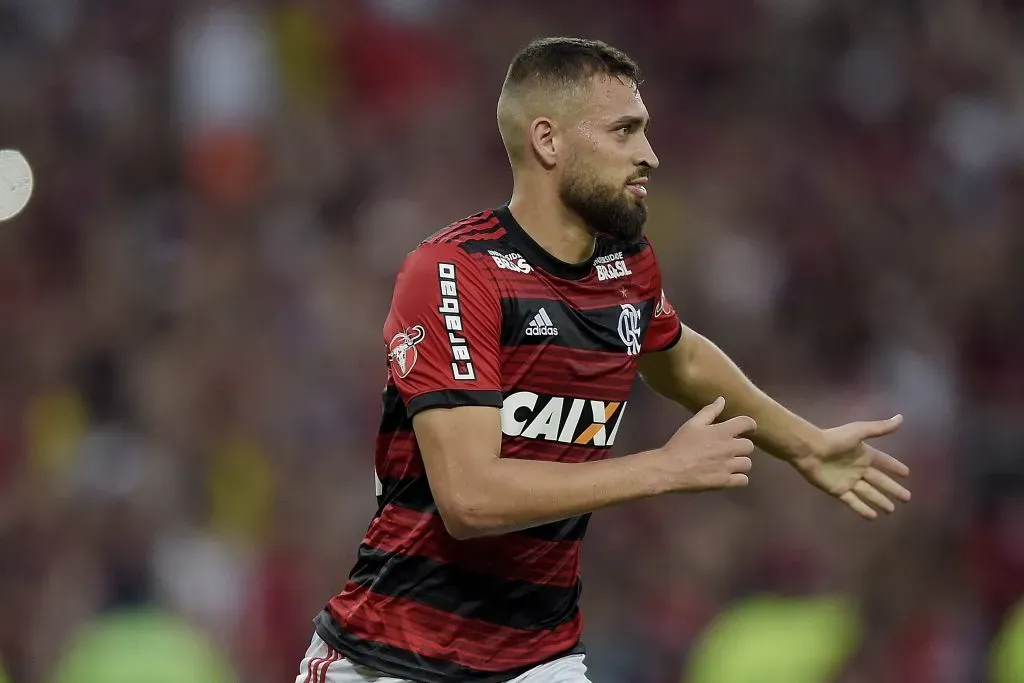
(480, 493)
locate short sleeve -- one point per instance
(666, 329)
(443, 333)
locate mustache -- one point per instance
(644, 173)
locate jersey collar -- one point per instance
(538, 256)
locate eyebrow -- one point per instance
(631, 121)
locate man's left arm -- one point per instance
(694, 371)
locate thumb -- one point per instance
(709, 413)
(868, 430)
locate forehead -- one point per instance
(609, 98)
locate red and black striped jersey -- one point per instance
(482, 315)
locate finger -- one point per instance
(743, 447)
(886, 485)
(741, 424)
(869, 493)
(870, 430)
(738, 480)
(742, 464)
(887, 463)
(858, 505)
(709, 413)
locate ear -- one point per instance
(543, 133)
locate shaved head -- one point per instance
(550, 78)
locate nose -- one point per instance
(646, 156)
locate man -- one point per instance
(513, 340)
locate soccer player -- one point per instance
(513, 339)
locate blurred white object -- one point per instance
(204, 578)
(224, 68)
(16, 183)
(977, 133)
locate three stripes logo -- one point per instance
(541, 326)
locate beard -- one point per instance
(606, 208)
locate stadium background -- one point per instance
(190, 316)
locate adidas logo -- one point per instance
(541, 326)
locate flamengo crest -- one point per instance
(629, 328)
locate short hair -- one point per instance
(568, 62)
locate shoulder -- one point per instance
(463, 246)
(480, 227)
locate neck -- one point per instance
(552, 225)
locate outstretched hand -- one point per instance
(856, 473)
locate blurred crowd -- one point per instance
(191, 312)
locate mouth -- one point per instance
(638, 187)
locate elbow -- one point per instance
(464, 516)
(460, 530)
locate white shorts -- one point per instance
(323, 664)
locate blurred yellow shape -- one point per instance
(303, 53)
(1007, 655)
(141, 646)
(241, 489)
(775, 639)
(56, 422)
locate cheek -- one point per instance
(589, 140)
(602, 159)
